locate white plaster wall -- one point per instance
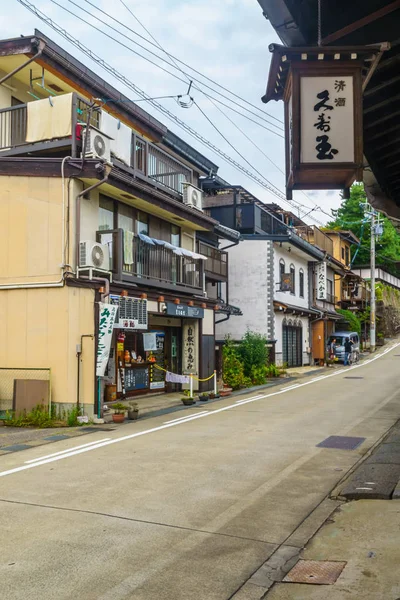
(90, 216)
(299, 263)
(248, 289)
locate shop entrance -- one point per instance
(292, 343)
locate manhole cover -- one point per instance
(320, 572)
(341, 442)
(354, 378)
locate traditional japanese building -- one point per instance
(100, 204)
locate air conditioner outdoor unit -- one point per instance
(94, 256)
(97, 144)
(192, 196)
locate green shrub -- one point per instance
(253, 352)
(233, 372)
(272, 371)
(353, 321)
(258, 375)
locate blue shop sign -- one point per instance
(182, 310)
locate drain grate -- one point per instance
(97, 429)
(319, 572)
(56, 438)
(341, 442)
(353, 377)
(15, 448)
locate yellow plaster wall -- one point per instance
(30, 229)
(41, 328)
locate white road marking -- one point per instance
(252, 398)
(187, 417)
(292, 387)
(364, 488)
(69, 450)
(175, 423)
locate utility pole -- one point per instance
(373, 298)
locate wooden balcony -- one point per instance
(316, 237)
(216, 265)
(355, 294)
(152, 264)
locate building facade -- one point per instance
(273, 276)
(100, 204)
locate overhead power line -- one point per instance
(177, 60)
(262, 182)
(175, 65)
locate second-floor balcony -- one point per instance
(216, 265)
(316, 237)
(355, 292)
(58, 124)
(152, 262)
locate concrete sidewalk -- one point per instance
(365, 535)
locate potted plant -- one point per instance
(187, 400)
(213, 396)
(133, 411)
(226, 391)
(204, 397)
(119, 412)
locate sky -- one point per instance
(226, 40)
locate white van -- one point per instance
(340, 337)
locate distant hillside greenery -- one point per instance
(350, 216)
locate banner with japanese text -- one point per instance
(107, 314)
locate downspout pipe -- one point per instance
(41, 46)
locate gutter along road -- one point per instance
(189, 507)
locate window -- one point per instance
(293, 276)
(342, 252)
(106, 213)
(329, 288)
(175, 235)
(125, 217)
(347, 255)
(281, 269)
(301, 283)
(142, 223)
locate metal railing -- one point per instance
(217, 260)
(331, 298)
(13, 121)
(166, 170)
(151, 262)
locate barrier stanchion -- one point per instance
(215, 383)
(191, 385)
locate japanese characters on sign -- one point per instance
(106, 322)
(321, 281)
(189, 348)
(327, 119)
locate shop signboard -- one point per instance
(107, 313)
(286, 282)
(182, 310)
(190, 345)
(321, 281)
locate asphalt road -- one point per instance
(187, 509)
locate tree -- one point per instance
(350, 216)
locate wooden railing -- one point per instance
(152, 264)
(216, 265)
(316, 237)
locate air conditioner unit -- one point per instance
(97, 144)
(94, 256)
(192, 196)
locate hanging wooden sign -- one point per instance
(322, 91)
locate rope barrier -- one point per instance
(189, 375)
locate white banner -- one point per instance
(321, 281)
(327, 119)
(106, 322)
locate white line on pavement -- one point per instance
(252, 398)
(176, 423)
(69, 450)
(187, 417)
